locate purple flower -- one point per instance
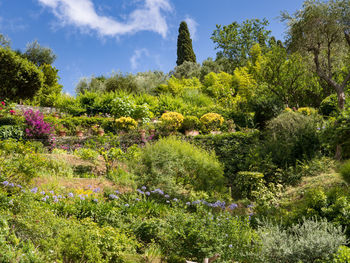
(51, 192)
(19, 186)
(230, 245)
(5, 183)
(34, 190)
(188, 203)
(96, 190)
(95, 200)
(11, 184)
(137, 199)
(70, 195)
(127, 205)
(175, 200)
(82, 198)
(42, 192)
(117, 192)
(112, 196)
(233, 206)
(166, 196)
(143, 187)
(147, 193)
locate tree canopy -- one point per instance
(184, 45)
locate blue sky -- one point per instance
(94, 37)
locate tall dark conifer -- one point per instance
(184, 45)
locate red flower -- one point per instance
(12, 112)
(3, 103)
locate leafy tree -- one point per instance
(187, 70)
(120, 82)
(322, 29)
(209, 65)
(39, 55)
(235, 40)
(184, 45)
(51, 89)
(288, 77)
(19, 78)
(93, 84)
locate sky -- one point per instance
(99, 37)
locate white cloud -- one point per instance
(138, 53)
(82, 14)
(192, 27)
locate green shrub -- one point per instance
(247, 184)
(171, 121)
(342, 255)
(190, 123)
(86, 154)
(308, 241)
(345, 171)
(171, 163)
(11, 132)
(232, 149)
(125, 124)
(211, 122)
(204, 234)
(290, 137)
(329, 106)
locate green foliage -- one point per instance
(86, 154)
(329, 106)
(290, 137)
(342, 255)
(307, 111)
(171, 164)
(184, 45)
(235, 40)
(219, 86)
(120, 82)
(20, 79)
(204, 234)
(187, 70)
(11, 132)
(345, 171)
(308, 241)
(232, 149)
(211, 122)
(247, 184)
(48, 93)
(39, 55)
(177, 86)
(190, 123)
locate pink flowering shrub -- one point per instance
(37, 128)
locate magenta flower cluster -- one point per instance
(37, 128)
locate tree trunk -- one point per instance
(341, 98)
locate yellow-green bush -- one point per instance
(125, 124)
(171, 121)
(307, 111)
(211, 122)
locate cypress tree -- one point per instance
(184, 45)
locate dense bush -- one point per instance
(20, 78)
(211, 122)
(308, 241)
(173, 165)
(291, 137)
(171, 121)
(11, 132)
(232, 149)
(329, 106)
(247, 184)
(125, 124)
(190, 123)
